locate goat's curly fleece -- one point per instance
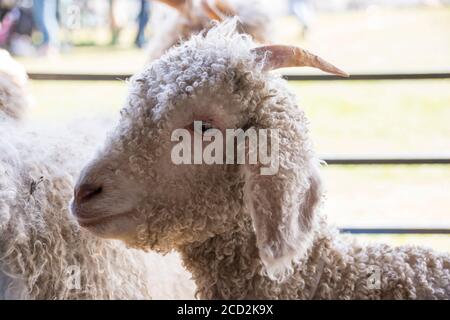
(242, 235)
(41, 245)
(334, 267)
(14, 98)
(39, 242)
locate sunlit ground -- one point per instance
(351, 118)
(372, 41)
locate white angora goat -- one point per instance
(192, 17)
(242, 234)
(14, 98)
(44, 254)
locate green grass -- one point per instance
(407, 196)
(437, 242)
(387, 117)
(103, 59)
(378, 117)
(62, 100)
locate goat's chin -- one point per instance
(120, 227)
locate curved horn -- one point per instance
(279, 56)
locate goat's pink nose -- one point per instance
(87, 192)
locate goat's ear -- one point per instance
(282, 205)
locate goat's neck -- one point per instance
(228, 266)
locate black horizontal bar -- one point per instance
(78, 77)
(370, 76)
(387, 160)
(429, 231)
(290, 77)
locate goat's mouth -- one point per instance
(102, 220)
(87, 219)
(121, 226)
(107, 225)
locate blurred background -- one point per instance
(348, 118)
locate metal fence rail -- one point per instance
(392, 231)
(78, 77)
(388, 160)
(290, 77)
(369, 77)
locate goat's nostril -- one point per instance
(87, 192)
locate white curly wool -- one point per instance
(14, 98)
(242, 235)
(42, 246)
(43, 252)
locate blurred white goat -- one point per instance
(191, 17)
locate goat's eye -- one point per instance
(201, 127)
